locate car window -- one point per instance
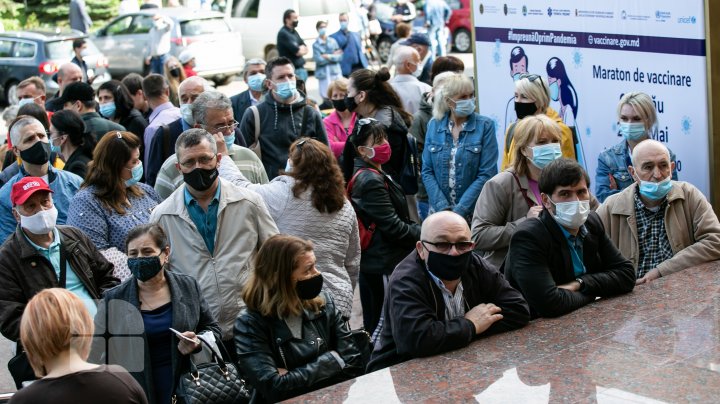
(63, 49)
(141, 24)
(246, 9)
(119, 27)
(311, 7)
(455, 4)
(204, 26)
(336, 6)
(24, 50)
(6, 48)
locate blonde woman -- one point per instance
(56, 331)
(532, 97)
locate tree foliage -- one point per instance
(56, 12)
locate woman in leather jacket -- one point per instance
(378, 200)
(291, 340)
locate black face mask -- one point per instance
(339, 105)
(200, 179)
(523, 109)
(175, 72)
(144, 268)
(309, 288)
(448, 267)
(350, 103)
(295, 24)
(37, 154)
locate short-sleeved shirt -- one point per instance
(205, 221)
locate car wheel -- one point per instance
(11, 93)
(383, 48)
(462, 40)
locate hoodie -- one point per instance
(280, 125)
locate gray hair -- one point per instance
(404, 53)
(451, 87)
(193, 137)
(10, 113)
(252, 62)
(19, 125)
(209, 100)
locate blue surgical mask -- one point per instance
(186, 112)
(343, 25)
(137, 173)
(464, 108)
(25, 101)
(322, 31)
(285, 89)
(54, 149)
(545, 154)
(555, 91)
(255, 82)
(229, 141)
(516, 76)
(655, 190)
(571, 214)
(108, 110)
(633, 130)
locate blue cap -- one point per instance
(417, 39)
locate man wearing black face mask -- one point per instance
(291, 45)
(215, 228)
(443, 295)
(31, 144)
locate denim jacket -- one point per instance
(475, 162)
(333, 64)
(615, 161)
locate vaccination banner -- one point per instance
(594, 52)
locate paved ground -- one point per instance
(237, 86)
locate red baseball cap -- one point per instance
(24, 188)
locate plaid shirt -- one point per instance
(654, 244)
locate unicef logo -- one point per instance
(687, 20)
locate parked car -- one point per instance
(260, 20)
(460, 25)
(40, 53)
(218, 49)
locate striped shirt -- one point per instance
(654, 244)
(454, 303)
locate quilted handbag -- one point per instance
(215, 382)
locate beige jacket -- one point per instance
(690, 223)
(243, 225)
(500, 208)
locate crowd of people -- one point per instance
(158, 204)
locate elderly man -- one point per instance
(405, 82)
(212, 112)
(662, 226)
(281, 118)
(39, 255)
(254, 76)
(30, 143)
(421, 43)
(67, 74)
(215, 228)
(157, 92)
(443, 295)
(80, 98)
(562, 260)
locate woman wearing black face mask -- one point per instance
(175, 75)
(156, 300)
(341, 122)
(532, 97)
(291, 340)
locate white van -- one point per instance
(260, 20)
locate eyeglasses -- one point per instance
(445, 247)
(225, 128)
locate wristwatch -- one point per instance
(580, 281)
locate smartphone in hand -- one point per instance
(179, 334)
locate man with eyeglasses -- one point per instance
(563, 260)
(444, 295)
(213, 112)
(215, 228)
(30, 143)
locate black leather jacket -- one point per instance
(385, 205)
(265, 344)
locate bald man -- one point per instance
(443, 295)
(662, 226)
(406, 83)
(67, 74)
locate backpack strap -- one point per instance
(256, 114)
(304, 120)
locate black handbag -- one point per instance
(20, 369)
(363, 343)
(215, 382)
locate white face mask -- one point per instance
(571, 215)
(42, 222)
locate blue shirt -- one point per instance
(64, 185)
(576, 249)
(72, 282)
(206, 222)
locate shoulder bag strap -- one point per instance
(523, 191)
(304, 121)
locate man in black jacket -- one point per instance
(443, 295)
(563, 259)
(80, 97)
(291, 45)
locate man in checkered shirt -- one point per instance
(662, 226)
